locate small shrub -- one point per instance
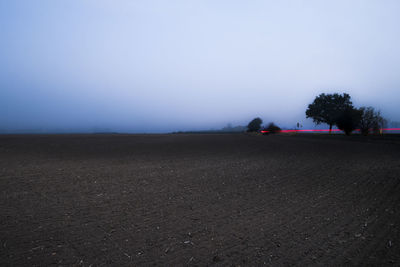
(272, 128)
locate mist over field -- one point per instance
(162, 66)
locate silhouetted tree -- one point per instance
(254, 125)
(272, 128)
(380, 122)
(348, 120)
(367, 119)
(326, 108)
(371, 120)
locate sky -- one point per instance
(163, 66)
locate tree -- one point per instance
(371, 120)
(367, 120)
(348, 120)
(326, 108)
(380, 122)
(272, 128)
(254, 125)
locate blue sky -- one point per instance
(160, 66)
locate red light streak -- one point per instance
(391, 129)
(327, 130)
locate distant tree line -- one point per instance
(256, 125)
(334, 110)
(337, 109)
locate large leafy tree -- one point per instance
(327, 108)
(254, 125)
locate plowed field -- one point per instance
(173, 200)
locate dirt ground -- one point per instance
(176, 200)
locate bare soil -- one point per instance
(176, 200)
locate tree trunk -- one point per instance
(330, 128)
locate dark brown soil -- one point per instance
(173, 200)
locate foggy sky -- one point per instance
(161, 66)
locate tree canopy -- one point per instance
(348, 120)
(254, 125)
(327, 108)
